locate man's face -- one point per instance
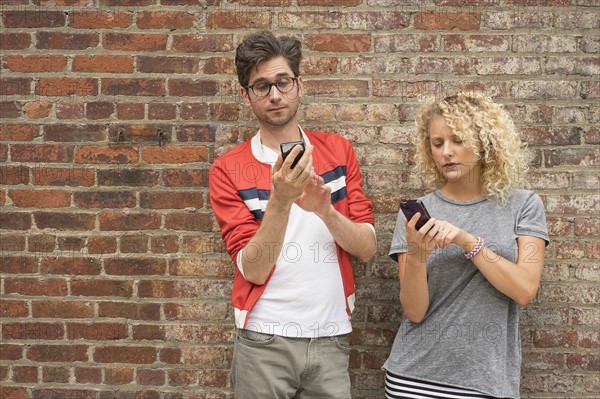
(275, 108)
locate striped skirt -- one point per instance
(397, 387)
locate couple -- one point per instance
(291, 231)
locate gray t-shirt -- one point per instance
(470, 334)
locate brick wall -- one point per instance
(115, 283)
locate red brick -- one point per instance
(41, 153)
(13, 175)
(13, 308)
(134, 41)
(15, 86)
(88, 375)
(447, 20)
(118, 221)
(62, 309)
(41, 243)
(25, 374)
(128, 177)
(171, 200)
(63, 177)
(135, 267)
(216, 378)
(68, 41)
(68, 110)
(185, 177)
(40, 198)
(103, 63)
(202, 267)
(202, 43)
(181, 377)
(175, 154)
(125, 354)
(71, 266)
(344, 3)
(19, 132)
(170, 355)
(99, 19)
(310, 20)
(555, 339)
(35, 287)
(337, 88)
(13, 393)
(37, 109)
(162, 111)
(57, 353)
(18, 264)
(238, 20)
(104, 199)
(97, 331)
(10, 109)
(106, 155)
(129, 3)
(102, 245)
(133, 87)
(10, 352)
(189, 222)
(35, 63)
(168, 289)
(33, 19)
(15, 221)
(572, 156)
(29, 331)
(377, 20)
(136, 243)
(442, 66)
(127, 111)
(118, 376)
(56, 374)
(165, 244)
(224, 111)
(132, 311)
(583, 362)
(67, 87)
(218, 65)
(102, 288)
(69, 221)
(338, 42)
(196, 88)
(154, 377)
(76, 133)
(165, 20)
(196, 311)
(167, 64)
(71, 244)
(14, 41)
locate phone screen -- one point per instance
(287, 147)
(410, 207)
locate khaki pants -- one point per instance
(267, 366)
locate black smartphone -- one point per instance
(410, 207)
(287, 147)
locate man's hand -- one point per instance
(316, 197)
(289, 184)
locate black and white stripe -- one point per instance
(397, 387)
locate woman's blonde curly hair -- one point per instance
(485, 127)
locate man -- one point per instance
(290, 232)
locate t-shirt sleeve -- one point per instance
(399, 243)
(531, 220)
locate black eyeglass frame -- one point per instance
(294, 84)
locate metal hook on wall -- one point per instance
(161, 137)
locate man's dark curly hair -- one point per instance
(263, 46)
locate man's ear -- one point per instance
(245, 95)
(300, 86)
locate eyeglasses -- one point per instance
(284, 85)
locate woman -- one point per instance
(465, 272)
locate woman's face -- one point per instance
(454, 158)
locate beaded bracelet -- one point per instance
(476, 248)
